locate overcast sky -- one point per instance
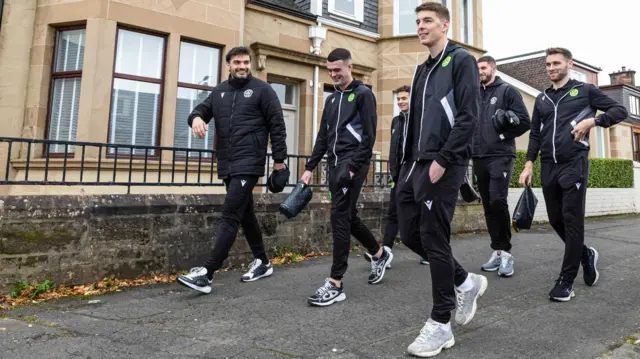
(600, 33)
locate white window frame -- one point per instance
(578, 75)
(396, 18)
(467, 38)
(449, 5)
(634, 105)
(396, 109)
(359, 10)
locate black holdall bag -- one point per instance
(525, 209)
(278, 180)
(297, 200)
(467, 191)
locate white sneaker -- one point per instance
(432, 339)
(257, 271)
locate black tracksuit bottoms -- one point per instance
(237, 210)
(345, 221)
(494, 175)
(391, 228)
(426, 210)
(564, 186)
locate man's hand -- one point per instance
(582, 129)
(525, 176)
(306, 177)
(198, 127)
(278, 166)
(435, 172)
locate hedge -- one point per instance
(603, 172)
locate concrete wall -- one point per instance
(600, 201)
(80, 239)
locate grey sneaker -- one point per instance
(506, 265)
(432, 339)
(467, 301)
(493, 263)
(368, 257)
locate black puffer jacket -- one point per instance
(246, 112)
(396, 145)
(486, 141)
(347, 129)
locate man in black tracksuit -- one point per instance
(247, 112)
(347, 134)
(562, 117)
(396, 159)
(503, 117)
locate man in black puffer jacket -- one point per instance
(247, 112)
(503, 117)
(347, 133)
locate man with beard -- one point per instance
(443, 111)
(503, 117)
(246, 111)
(562, 117)
(347, 134)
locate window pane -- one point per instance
(134, 114)
(284, 92)
(187, 100)
(407, 17)
(70, 50)
(463, 23)
(346, 6)
(139, 54)
(64, 112)
(198, 64)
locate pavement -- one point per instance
(270, 318)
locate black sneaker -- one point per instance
(589, 263)
(379, 266)
(327, 295)
(562, 291)
(197, 279)
(257, 270)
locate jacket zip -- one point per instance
(555, 117)
(422, 114)
(406, 122)
(337, 124)
(424, 93)
(233, 105)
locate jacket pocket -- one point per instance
(256, 144)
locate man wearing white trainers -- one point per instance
(247, 112)
(443, 111)
(503, 117)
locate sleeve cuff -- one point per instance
(441, 161)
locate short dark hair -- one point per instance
(339, 54)
(560, 50)
(488, 59)
(236, 51)
(438, 8)
(403, 88)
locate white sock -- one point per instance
(467, 285)
(443, 326)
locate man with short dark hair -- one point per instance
(562, 117)
(247, 112)
(503, 117)
(443, 111)
(347, 134)
(396, 159)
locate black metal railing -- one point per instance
(69, 163)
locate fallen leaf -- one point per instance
(3, 328)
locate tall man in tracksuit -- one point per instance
(396, 158)
(247, 112)
(443, 111)
(561, 120)
(503, 117)
(347, 134)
